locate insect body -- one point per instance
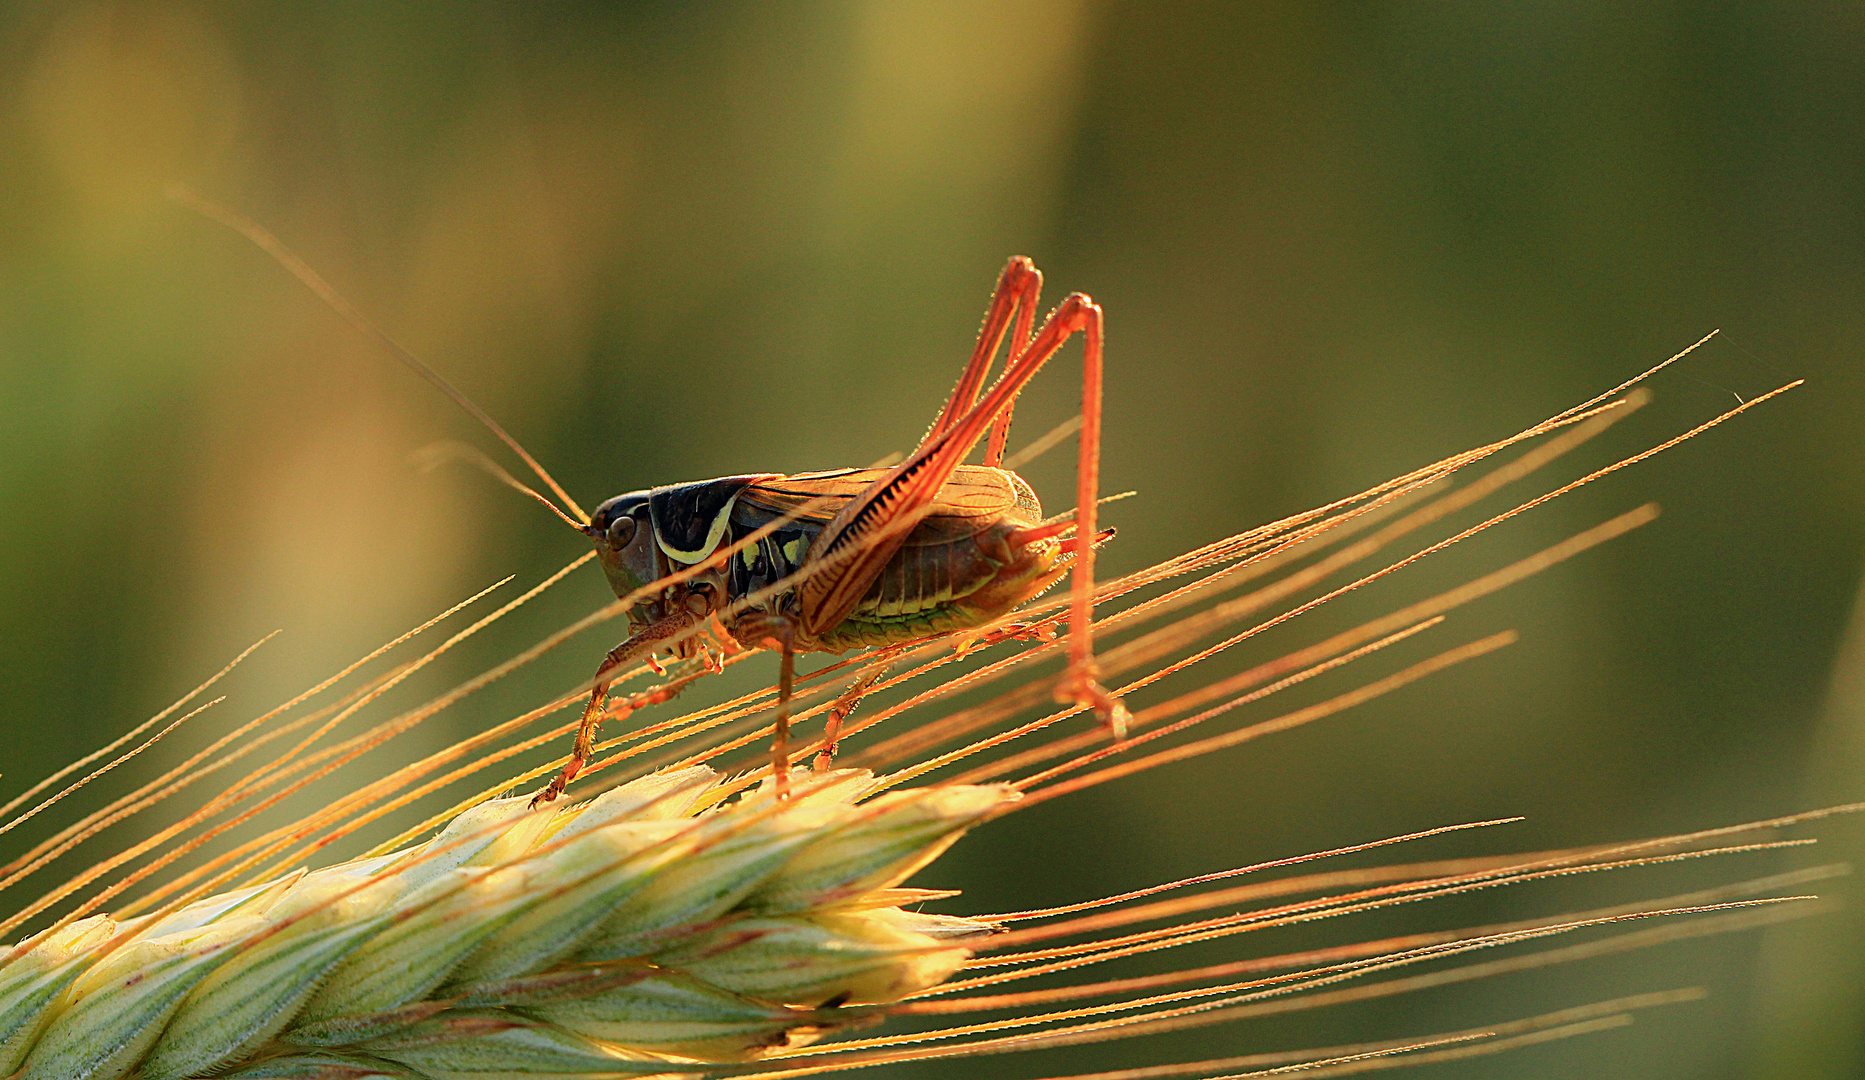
(829, 561)
(967, 562)
(869, 556)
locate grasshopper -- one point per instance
(829, 561)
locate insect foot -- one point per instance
(1080, 688)
(1044, 632)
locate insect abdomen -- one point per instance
(958, 568)
(931, 588)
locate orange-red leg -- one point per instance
(1079, 684)
(844, 705)
(780, 736)
(867, 531)
(1076, 313)
(1019, 344)
(1017, 292)
(639, 645)
(778, 632)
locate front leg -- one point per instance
(845, 704)
(640, 644)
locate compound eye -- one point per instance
(621, 532)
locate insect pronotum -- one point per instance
(828, 561)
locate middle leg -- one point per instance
(779, 633)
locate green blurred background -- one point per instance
(665, 242)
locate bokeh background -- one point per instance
(665, 242)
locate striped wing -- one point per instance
(973, 498)
(942, 556)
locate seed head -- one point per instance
(667, 920)
(689, 919)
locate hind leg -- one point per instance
(1076, 314)
(1080, 682)
(1018, 289)
(858, 541)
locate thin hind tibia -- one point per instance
(1079, 684)
(639, 645)
(858, 535)
(1016, 295)
(1077, 313)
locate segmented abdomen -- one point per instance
(931, 588)
(955, 571)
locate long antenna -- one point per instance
(276, 248)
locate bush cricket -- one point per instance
(828, 561)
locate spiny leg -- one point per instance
(1019, 344)
(858, 541)
(1017, 292)
(621, 710)
(844, 705)
(639, 644)
(1076, 313)
(1079, 683)
(1000, 435)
